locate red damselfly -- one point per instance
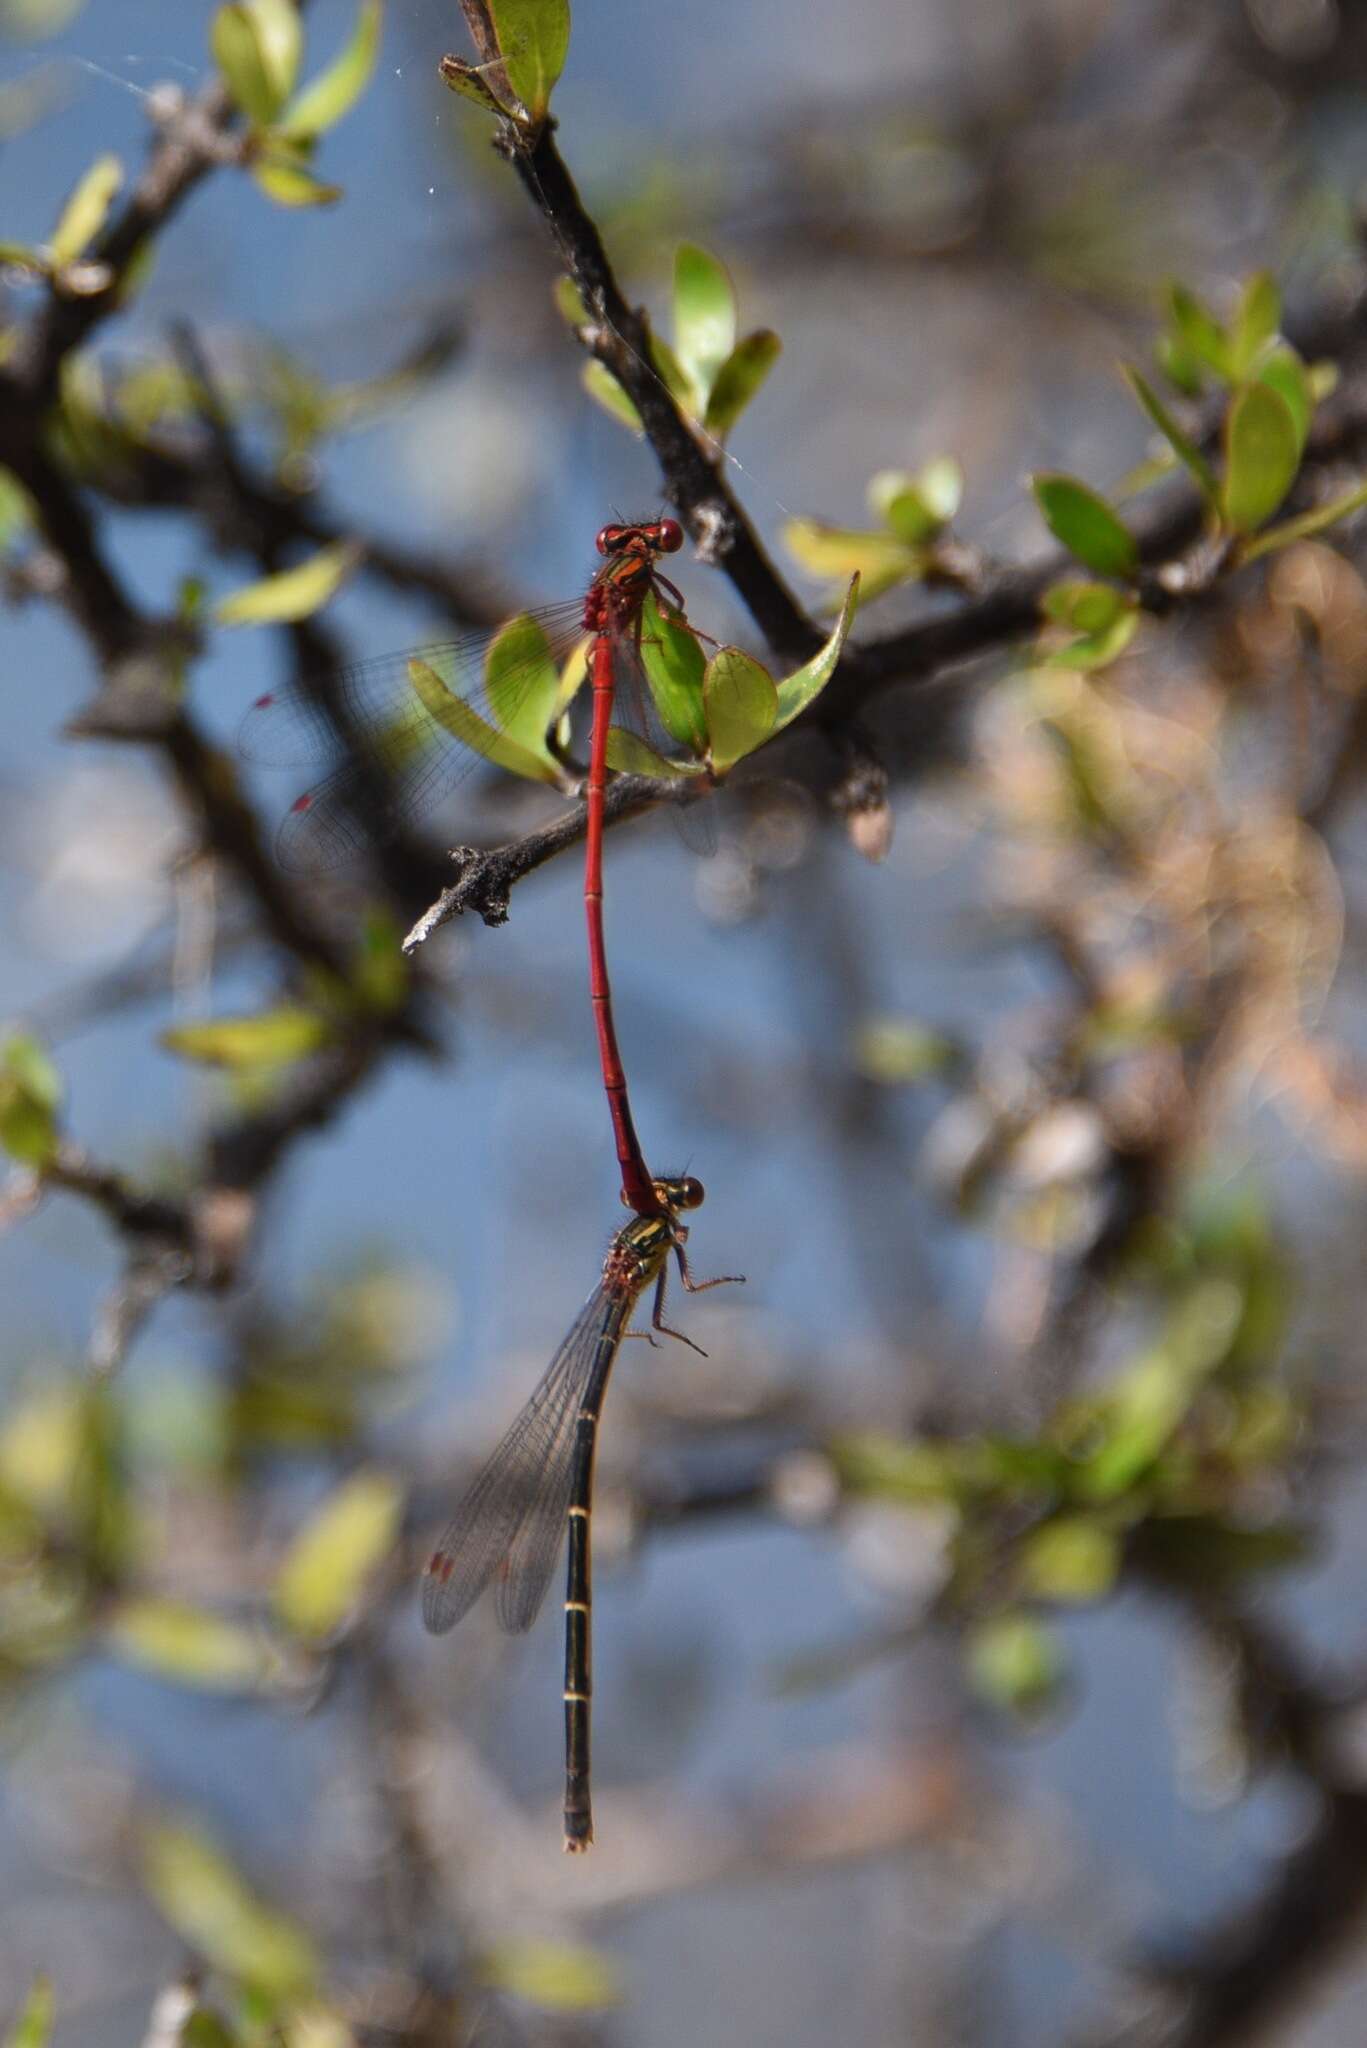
(508, 1529)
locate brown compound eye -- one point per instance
(610, 539)
(691, 1192)
(667, 536)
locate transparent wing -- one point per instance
(511, 1522)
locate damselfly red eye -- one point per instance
(667, 536)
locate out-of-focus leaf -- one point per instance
(257, 44)
(880, 560)
(1086, 525)
(1071, 1558)
(569, 302)
(190, 1645)
(1015, 1662)
(916, 508)
(1149, 1402)
(557, 1976)
(204, 1899)
(1183, 447)
(1179, 365)
(334, 92)
(290, 183)
(85, 212)
(1085, 607)
(1306, 525)
(295, 593)
(601, 385)
(207, 2029)
(805, 684)
(317, 2026)
(327, 1565)
(33, 2026)
(273, 1038)
(704, 318)
(381, 976)
(741, 703)
(1287, 375)
(890, 1468)
(1262, 455)
(1199, 329)
(674, 665)
(1098, 649)
(1254, 325)
(465, 724)
(738, 379)
(629, 754)
(19, 256)
(42, 1444)
(30, 1097)
(533, 40)
(896, 1052)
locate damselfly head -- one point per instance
(660, 537)
(682, 1193)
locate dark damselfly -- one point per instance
(508, 1529)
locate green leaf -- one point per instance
(522, 684)
(557, 1976)
(30, 1097)
(326, 1567)
(533, 40)
(1254, 325)
(206, 2029)
(741, 702)
(673, 660)
(290, 183)
(916, 508)
(273, 1038)
(85, 212)
(257, 44)
(896, 1052)
(204, 1899)
(1183, 447)
(1262, 455)
(629, 754)
(569, 302)
(805, 684)
(1306, 525)
(738, 379)
(1071, 1558)
(457, 717)
(19, 256)
(1287, 375)
(1199, 329)
(335, 91)
(704, 318)
(1016, 1663)
(1086, 525)
(838, 552)
(1085, 607)
(190, 1645)
(1179, 365)
(295, 593)
(33, 2027)
(601, 385)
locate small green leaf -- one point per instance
(1086, 525)
(206, 2029)
(33, 2026)
(673, 660)
(916, 508)
(1306, 525)
(629, 754)
(1262, 455)
(1181, 368)
(1085, 607)
(522, 683)
(206, 1902)
(1183, 447)
(741, 703)
(1016, 1663)
(1070, 1558)
(704, 319)
(290, 183)
(838, 552)
(1199, 329)
(1254, 325)
(1284, 371)
(601, 385)
(273, 1038)
(569, 302)
(295, 593)
(805, 684)
(738, 379)
(457, 717)
(190, 1645)
(335, 91)
(85, 212)
(257, 44)
(30, 1097)
(533, 40)
(1096, 650)
(327, 1566)
(557, 1976)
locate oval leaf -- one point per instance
(798, 690)
(275, 1038)
(335, 91)
(1086, 525)
(1072, 1558)
(326, 1567)
(533, 40)
(739, 378)
(294, 594)
(1199, 329)
(290, 183)
(250, 46)
(741, 703)
(189, 1645)
(1016, 1663)
(1287, 375)
(522, 683)
(704, 318)
(203, 1898)
(1262, 455)
(86, 211)
(601, 385)
(558, 1976)
(30, 1096)
(629, 754)
(457, 717)
(674, 664)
